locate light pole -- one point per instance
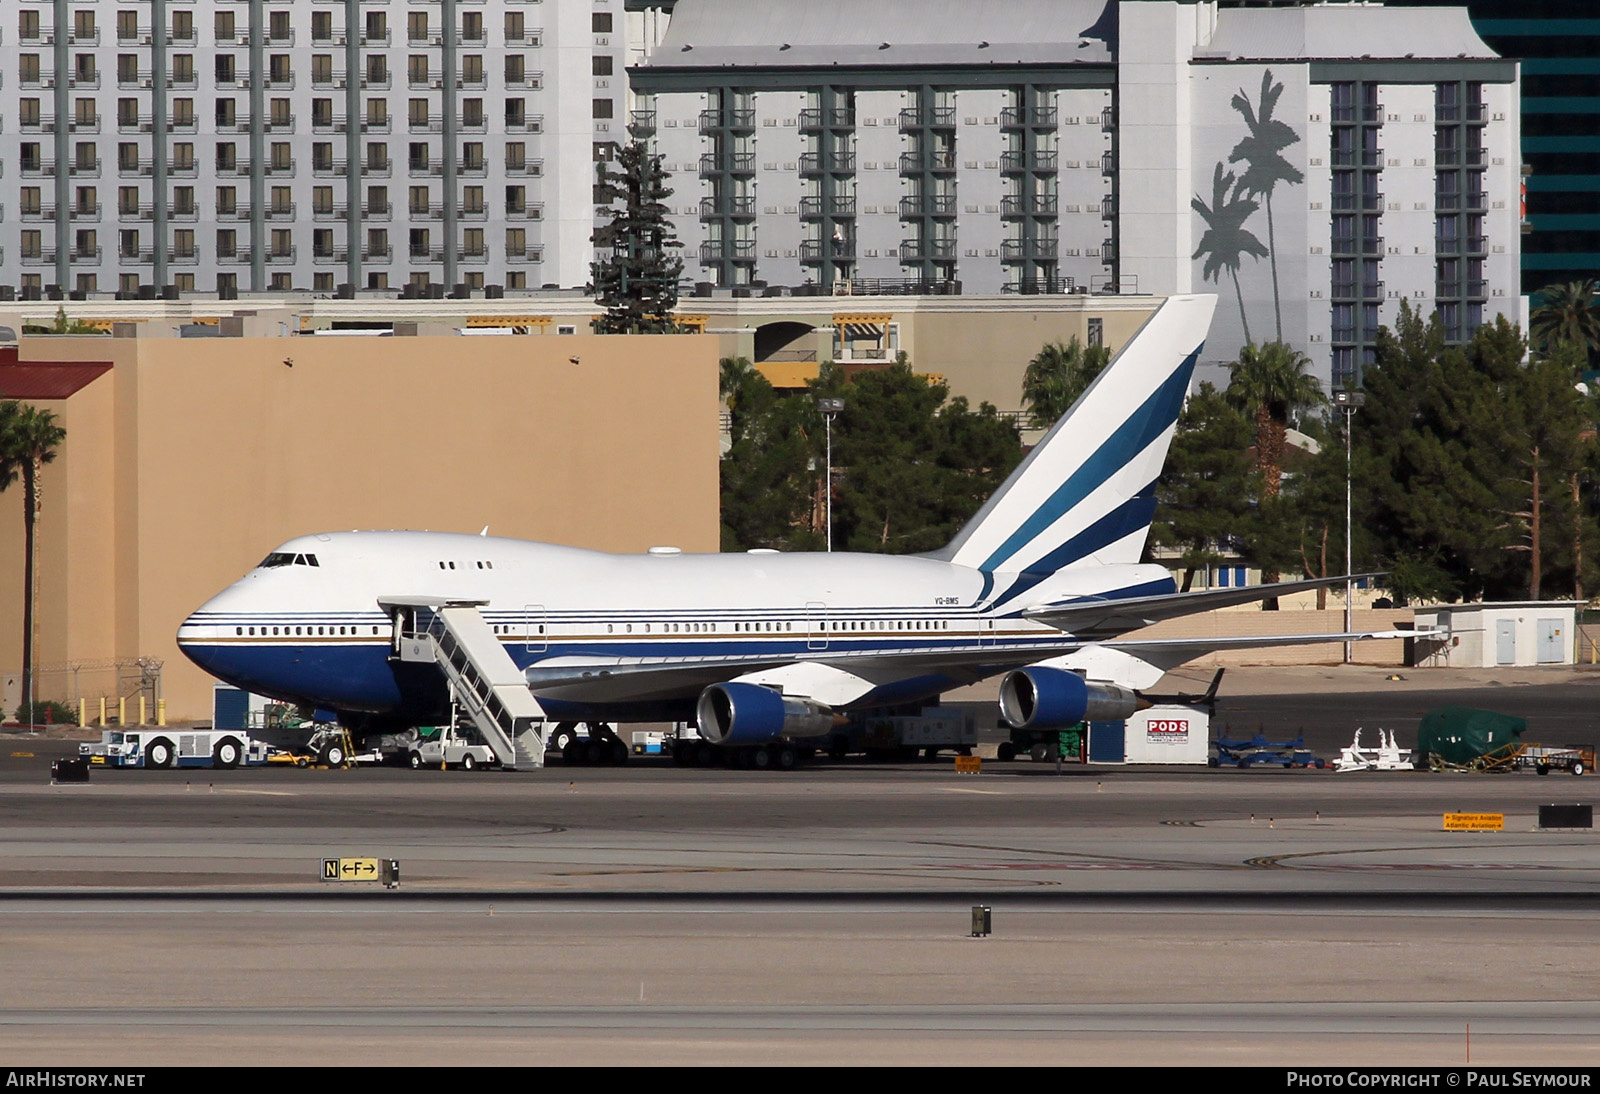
(1349, 401)
(830, 408)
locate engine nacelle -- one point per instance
(1039, 697)
(749, 714)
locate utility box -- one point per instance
(1518, 633)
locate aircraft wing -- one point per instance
(1094, 616)
(839, 676)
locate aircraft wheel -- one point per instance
(930, 753)
(1007, 751)
(333, 755)
(468, 763)
(705, 754)
(565, 732)
(592, 752)
(619, 752)
(572, 752)
(414, 758)
(786, 758)
(226, 754)
(761, 759)
(839, 748)
(158, 753)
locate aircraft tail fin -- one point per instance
(1087, 490)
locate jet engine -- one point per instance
(1040, 697)
(749, 714)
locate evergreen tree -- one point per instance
(1203, 499)
(910, 468)
(635, 271)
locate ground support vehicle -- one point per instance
(450, 746)
(1258, 751)
(1044, 745)
(597, 743)
(1544, 759)
(328, 746)
(935, 729)
(175, 748)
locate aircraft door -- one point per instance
(816, 625)
(535, 629)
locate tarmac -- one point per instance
(658, 915)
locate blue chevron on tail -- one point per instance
(1086, 493)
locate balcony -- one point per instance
(377, 254)
(239, 257)
(378, 210)
(433, 123)
(526, 211)
(136, 257)
(1028, 205)
(729, 207)
(938, 117)
(531, 123)
(726, 119)
(90, 211)
(184, 256)
(738, 163)
(919, 250)
(818, 250)
(282, 123)
(531, 168)
(43, 257)
(1350, 114)
(280, 212)
(34, 168)
(1455, 112)
(1012, 250)
(524, 256)
(1357, 157)
(739, 250)
(816, 118)
(1371, 203)
(839, 206)
(280, 167)
(236, 167)
(326, 168)
(1476, 200)
(912, 163)
(1470, 288)
(39, 212)
(191, 213)
(928, 205)
(1015, 162)
(820, 163)
(1343, 245)
(88, 168)
(1028, 117)
(281, 256)
(1353, 290)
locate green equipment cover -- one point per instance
(1459, 735)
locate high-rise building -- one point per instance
(253, 145)
(1315, 165)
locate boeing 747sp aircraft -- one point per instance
(388, 629)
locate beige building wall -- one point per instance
(192, 458)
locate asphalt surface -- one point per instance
(651, 914)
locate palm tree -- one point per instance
(29, 438)
(1058, 374)
(1265, 167)
(1226, 242)
(1270, 382)
(1567, 315)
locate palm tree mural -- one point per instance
(1226, 241)
(1265, 166)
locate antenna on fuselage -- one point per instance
(485, 530)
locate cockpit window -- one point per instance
(285, 558)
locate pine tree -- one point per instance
(635, 271)
(1204, 496)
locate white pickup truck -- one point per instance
(448, 746)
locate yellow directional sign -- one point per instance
(1474, 822)
(349, 869)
